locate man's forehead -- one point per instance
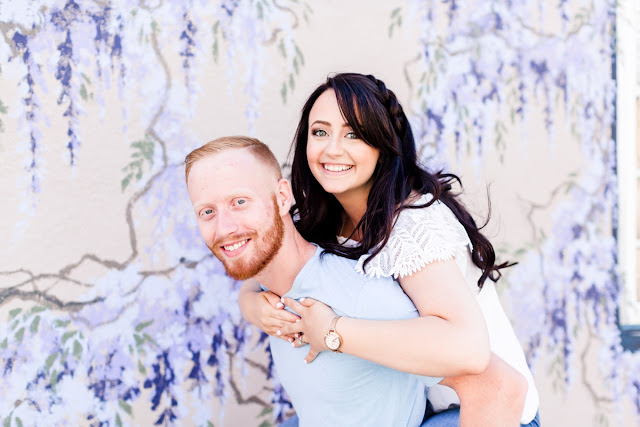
(233, 168)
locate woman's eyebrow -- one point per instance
(322, 122)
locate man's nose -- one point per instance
(227, 224)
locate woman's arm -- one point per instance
(449, 338)
(264, 309)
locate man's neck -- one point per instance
(279, 274)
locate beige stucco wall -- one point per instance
(81, 210)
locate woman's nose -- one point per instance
(334, 147)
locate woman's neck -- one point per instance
(354, 209)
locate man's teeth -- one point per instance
(337, 168)
(235, 246)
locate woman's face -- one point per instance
(340, 161)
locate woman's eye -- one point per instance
(319, 132)
(352, 135)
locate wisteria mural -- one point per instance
(157, 338)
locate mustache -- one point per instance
(232, 238)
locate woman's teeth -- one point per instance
(337, 168)
(235, 246)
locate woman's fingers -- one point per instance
(299, 341)
(291, 329)
(311, 355)
(282, 317)
(273, 299)
(294, 305)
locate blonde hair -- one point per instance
(259, 149)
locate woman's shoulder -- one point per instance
(422, 233)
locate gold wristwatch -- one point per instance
(333, 340)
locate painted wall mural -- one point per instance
(154, 336)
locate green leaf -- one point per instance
(214, 51)
(34, 325)
(283, 92)
(141, 368)
(118, 420)
(60, 324)
(125, 406)
(291, 82)
(149, 339)
(3, 108)
(265, 411)
(283, 51)
(7, 421)
(83, 92)
(37, 309)
(63, 359)
(139, 340)
(13, 313)
(395, 12)
(77, 350)
(18, 422)
(19, 334)
(143, 325)
(126, 180)
(265, 423)
(49, 362)
(260, 12)
(67, 335)
(85, 78)
(4, 344)
(54, 380)
(210, 424)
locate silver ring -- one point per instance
(300, 341)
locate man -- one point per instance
(242, 204)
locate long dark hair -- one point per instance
(376, 116)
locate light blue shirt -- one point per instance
(338, 389)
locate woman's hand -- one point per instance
(315, 320)
(265, 310)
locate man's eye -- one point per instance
(207, 212)
(240, 201)
(319, 132)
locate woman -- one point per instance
(361, 193)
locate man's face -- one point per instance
(233, 196)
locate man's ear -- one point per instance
(284, 196)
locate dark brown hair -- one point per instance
(376, 116)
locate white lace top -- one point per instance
(421, 236)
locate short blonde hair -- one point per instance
(259, 149)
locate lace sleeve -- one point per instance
(419, 237)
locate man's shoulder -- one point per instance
(328, 262)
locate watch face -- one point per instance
(332, 340)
